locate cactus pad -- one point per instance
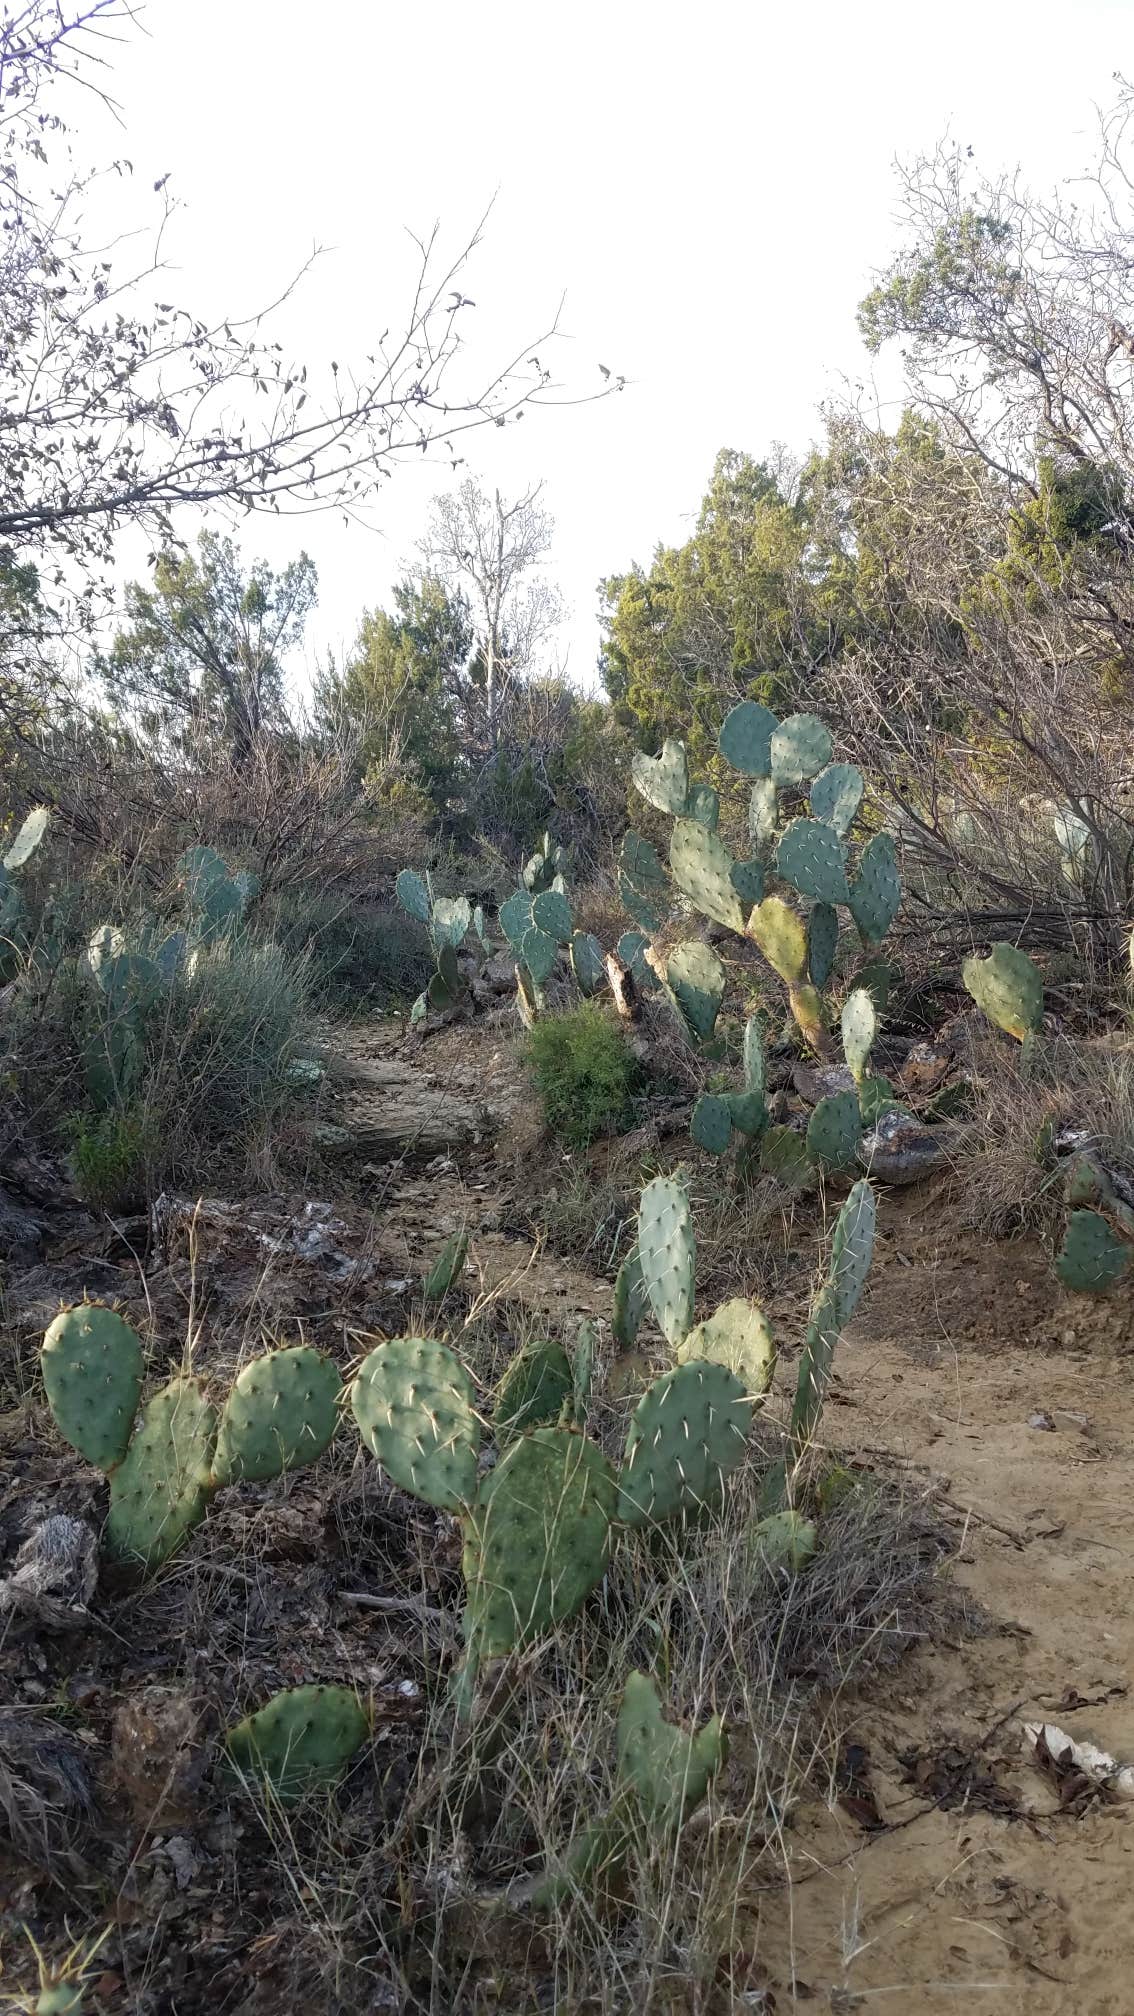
(834, 1131)
(815, 1367)
(755, 1065)
(822, 942)
(1092, 1256)
(516, 918)
(786, 1540)
(631, 949)
(688, 1432)
(160, 1490)
(836, 796)
(747, 878)
(281, 1413)
(783, 1154)
(533, 1389)
(538, 1539)
(782, 938)
(876, 1098)
(413, 895)
(668, 1770)
(630, 1301)
(801, 747)
(446, 1269)
(413, 1401)
(587, 962)
(736, 1335)
(859, 1029)
(702, 870)
(92, 1374)
(695, 978)
(662, 780)
(763, 813)
(539, 952)
(445, 985)
(703, 804)
(452, 918)
(529, 999)
(748, 1113)
(28, 838)
(638, 859)
(852, 1249)
(300, 1741)
(583, 1373)
(745, 739)
(646, 910)
(667, 1255)
(813, 859)
(1007, 988)
(876, 891)
(711, 1125)
(551, 913)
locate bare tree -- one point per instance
(493, 552)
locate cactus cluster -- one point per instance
(448, 919)
(218, 902)
(167, 1457)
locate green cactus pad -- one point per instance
(28, 838)
(1092, 1257)
(703, 804)
(695, 978)
(836, 796)
(834, 1132)
(301, 1741)
(783, 1154)
(648, 913)
(540, 952)
(533, 1389)
(852, 1249)
(1007, 988)
(875, 1098)
(538, 1539)
(667, 1255)
(806, 1004)
(447, 1268)
(551, 913)
(583, 1373)
(630, 1301)
(786, 1540)
(282, 1412)
(876, 891)
(763, 813)
(662, 780)
(587, 962)
(688, 1432)
(815, 1367)
(747, 878)
(631, 949)
(748, 1113)
(822, 942)
(413, 895)
(813, 859)
(782, 938)
(801, 747)
(445, 985)
(669, 1770)
(711, 1125)
(745, 739)
(92, 1375)
(413, 1401)
(639, 859)
(859, 1029)
(736, 1335)
(160, 1490)
(515, 915)
(877, 976)
(452, 918)
(702, 870)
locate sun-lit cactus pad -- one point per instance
(696, 982)
(537, 1540)
(160, 1490)
(801, 747)
(413, 1401)
(688, 1431)
(281, 1413)
(745, 738)
(836, 796)
(300, 1741)
(662, 780)
(834, 1131)
(92, 1374)
(738, 1336)
(667, 1255)
(1007, 988)
(813, 859)
(702, 869)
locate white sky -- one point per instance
(710, 186)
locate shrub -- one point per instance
(585, 1074)
(110, 1154)
(356, 955)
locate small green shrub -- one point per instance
(585, 1074)
(110, 1155)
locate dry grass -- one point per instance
(1075, 1088)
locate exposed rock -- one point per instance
(903, 1150)
(389, 1109)
(819, 1081)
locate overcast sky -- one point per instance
(709, 186)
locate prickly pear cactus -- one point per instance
(28, 838)
(736, 1335)
(667, 1255)
(813, 859)
(447, 1268)
(876, 891)
(630, 1301)
(822, 942)
(702, 869)
(413, 1402)
(1092, 1257)
(688, 1432)
(516, 919)
(763, 815)
(668, 1770)
(534, 1388)
(786, 1540)
(801, 747)
(451, 921)
(695, 982)
(748, 879)
(92, 1374)
(551, 914)
(537, 1540)
(836, 796)
(1007, 988)
(301, 1741)
(281, 1413)
(834, 1132)
(161, 1489)
(539, 953)
(413, 895)
(587, 963)
(852, 1249)
(745, 738)
(711, 1125)
(782, 938)
(583, 1374)
(859, 1029)
(662, 780)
